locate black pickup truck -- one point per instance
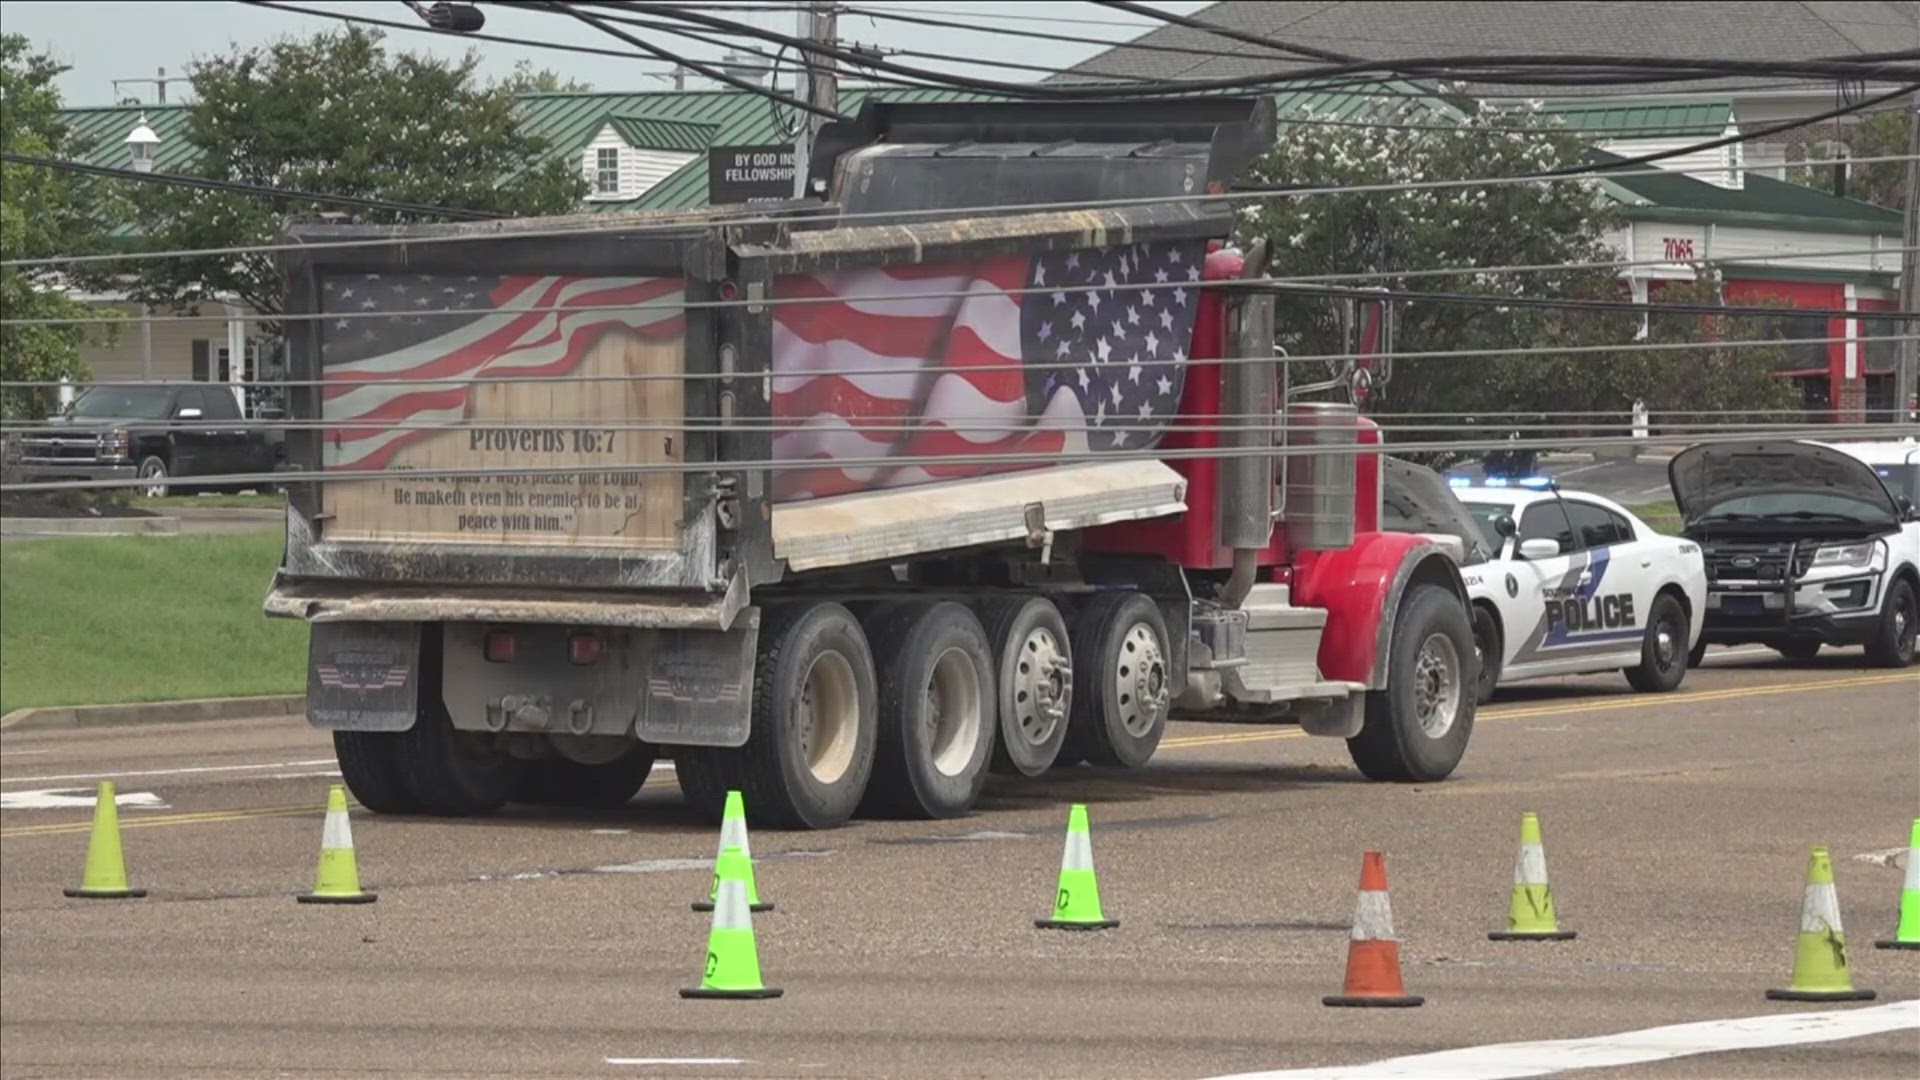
(163, 435)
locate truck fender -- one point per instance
(1360, 588)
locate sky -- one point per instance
(105, 40)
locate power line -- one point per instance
(1599, 350)
(209, 184)
(417, 28)
(690, 64)
(608, 223)
(1828, 431)
(1216, 29)
(1614, 67)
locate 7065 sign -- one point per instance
(1679, 248)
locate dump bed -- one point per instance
(698, 401)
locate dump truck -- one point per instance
(979, 459)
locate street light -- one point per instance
(142, 143)
(460, 18)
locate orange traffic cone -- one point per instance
(1373, 956)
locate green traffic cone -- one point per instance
(733, 962)
(1820, 969)
(1907, 936)
(336, 879)
(733, 833)
(105, 875)
(1076, 903)
(1530, 914)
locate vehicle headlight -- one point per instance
(113, 445)
(1844, 555)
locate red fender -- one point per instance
(1360, 587)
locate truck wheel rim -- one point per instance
(954, 712)
(1140, 680)
(1041, 682)
(828, 717)
(1436, 685)
(156, 476)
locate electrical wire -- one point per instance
(984, 460)
(1563, 351)
(606, 223)
(690, 64)
(419, 28)
(209, 184)
(1217, 30)
(1614, 67)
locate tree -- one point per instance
(42, 213)
(1402, 232)
(1882, 134)
(336, 113)
(525, 80)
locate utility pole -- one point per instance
(822, 85)
(1907, 374)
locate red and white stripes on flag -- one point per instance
(371, 365)
(876, 370)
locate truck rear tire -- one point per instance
(1033, 665)
(559, 782)
(1488, 643)
(455, 772)
(815, 716)
(371, 766)
(1417, 729)
(1122, 682)
(937, 717)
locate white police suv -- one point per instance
(1807, 544)
(1562, 583)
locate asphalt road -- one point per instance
(544, 944)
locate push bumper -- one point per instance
(1842, 610)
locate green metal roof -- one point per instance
(1645, 119)
(1763, 202)
(653, 133)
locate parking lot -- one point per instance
(552, 943)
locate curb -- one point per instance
(103, 526)
(58, 717)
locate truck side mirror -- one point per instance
(1504, 525)
(1904, 505)
(1539, 547)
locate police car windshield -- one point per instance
(1901, 480)
(1484, 515)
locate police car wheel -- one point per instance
(1663, 652)
(1893, 643)
(1488, 643)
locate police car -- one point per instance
(1808, 544)
(1562, 583)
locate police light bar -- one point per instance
(1538, 483)
(1495, 481)
(1459, 482)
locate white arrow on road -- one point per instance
(67, 799)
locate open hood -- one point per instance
(1783, 481)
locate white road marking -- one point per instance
(62, 799)
(608, 832)
(676, 1061)
(22, 753)
(1663, 489)
(1504, 1060)
(302, 775)
(1578, 471)
(655, 866)
(168, 772)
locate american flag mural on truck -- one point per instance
(952, 359)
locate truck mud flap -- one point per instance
(700, 687)
(363, 676)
